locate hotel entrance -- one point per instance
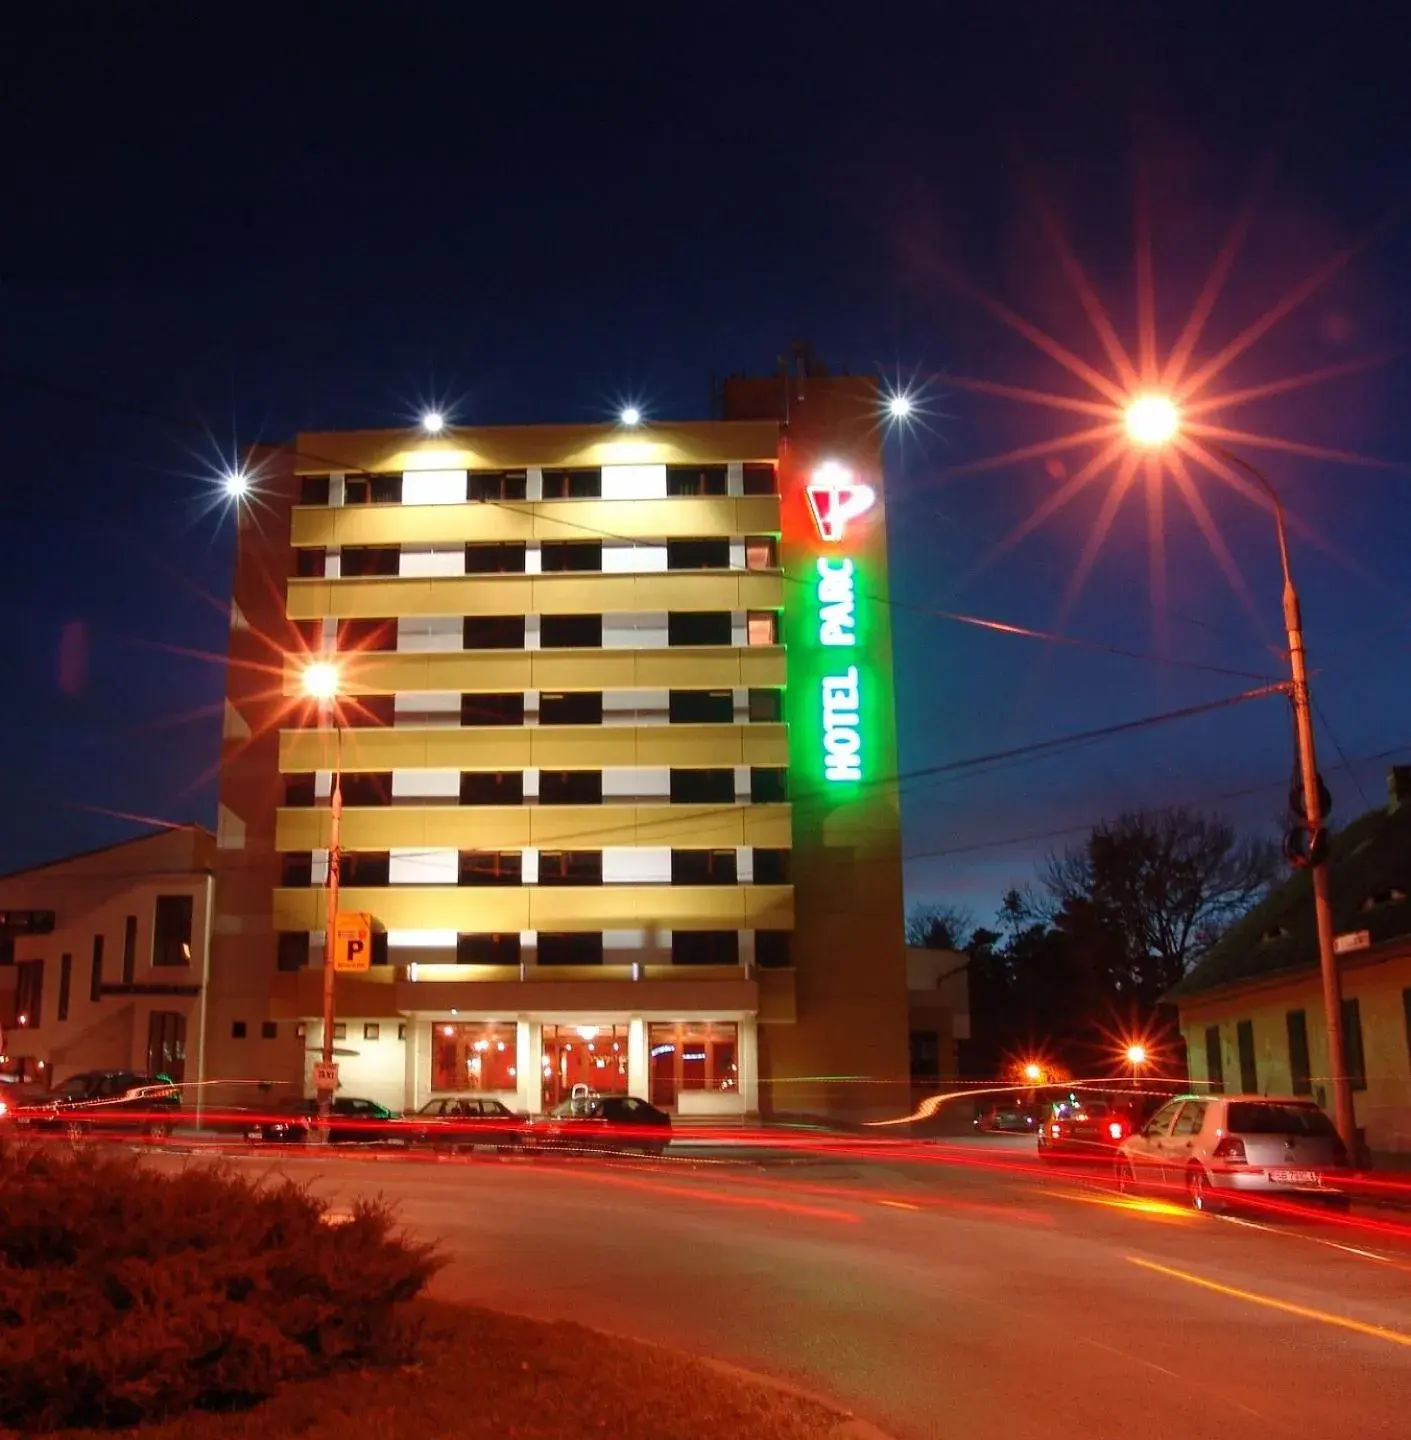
(693, 1057)
(592, 1055)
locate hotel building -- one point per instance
(616, 749)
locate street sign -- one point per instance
(1355, 940)
(325, 1076)
(352, 943)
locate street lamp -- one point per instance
(1152, 421)
(322, 681)
(433, 422)
(1033, 1073)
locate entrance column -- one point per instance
(416, 1049)
(748, 1061)
(639, 1060)
(529, 1066)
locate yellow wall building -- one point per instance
(616, 749)
(1251, 1012)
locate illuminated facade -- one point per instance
(617, 758)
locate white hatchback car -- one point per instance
(1218, 1148)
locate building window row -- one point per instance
(549, 557)
(378, 869)
(772, 948)
(1300, 1065)
(756, 478)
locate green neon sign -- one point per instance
(840, 689)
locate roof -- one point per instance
(151, 833)
(1369, 862)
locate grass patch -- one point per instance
(482, 1374)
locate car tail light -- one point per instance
(1231, 1150)
(4, 1109)
(1055, 1131)
(1115, 1129)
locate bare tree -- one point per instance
(939, 927)
(1172, 881)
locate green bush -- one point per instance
(131, 1292)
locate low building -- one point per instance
(938, 1004)
(1251, 1011)
(104, 959)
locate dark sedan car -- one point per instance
(352, 1122)
(1092, 1126)
(121, 1104)
(602, 1122)
(1009, 1119)
(466, 1123)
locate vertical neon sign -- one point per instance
(835, 499)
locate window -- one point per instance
(692, 1055)
(559, 555)
(379, 955)
(1191, 1118)
(570, 787)
(491, 867)
(698, 627)
(340, 1031)
(313, 490)
(497, 485)
(291, 950)
(402, 1031)
(367, 636)
(760, 480)
(698, 554)
(762, 627)
(571, 632)
(29, 992)
(369, 560)
(703, 867)
(761, 552)
(366, 788)
(311, 563)
(1269, 1117)
(577, 949)
(701, 707)
(129, 948)
(571, 867)
(356, 491)
(95, 973)
(493, 632)
(171, 930)
(385, 489)
(705, 947)
(766, 707)
(1244, 1044)
(166, 1044)
(1353, 1056)
(478, 1056)
(366, 867)
(1300, 1067)
(771, 867)
(769, 785)
(1214, 1059)
(492, 787)
(269, 1030)
(1160, 1123)
(372, 1031)
(578, 707)
(924, 1049)
(773, 949)
(505, 709)
(237, 1029)
(488, 559)
(697, 480)
(297, 870)
(367, 711)
(65, 983)
(572, 484)
(702, 787)
(488, 949)
(299, 792)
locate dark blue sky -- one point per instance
(266, 219)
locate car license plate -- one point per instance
(1295, 1177)
(254, 1135)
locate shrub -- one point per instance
(129, 1292)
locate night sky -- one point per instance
(228, 223)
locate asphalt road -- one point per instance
(963, 1297)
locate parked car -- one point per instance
(1091, 1126)
(114, 1103)
(601, 1122)
(464, 1123)
(1218, 1149)
(1007, 1118)
(352, 1122)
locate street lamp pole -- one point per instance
(335, 816)
(1313, 815)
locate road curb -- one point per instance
(850, 1428)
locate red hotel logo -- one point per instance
(836, 498)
